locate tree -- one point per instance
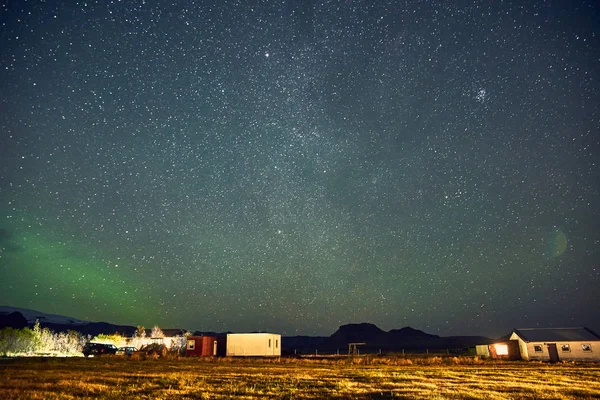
(140, 332)
(157, 332)
(44, 336)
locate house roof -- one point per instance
(557, 334)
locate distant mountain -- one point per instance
(408, 333)
(32, 315)
(9, 316)
(375, 339)
(92, 328)
(357, 333)
(12, 320)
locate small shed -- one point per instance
(201, 346)
(253, 344)
(556, 344)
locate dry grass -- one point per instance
(358, 378)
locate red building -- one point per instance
(201, 346)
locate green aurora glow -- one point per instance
(66, 272)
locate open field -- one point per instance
(359, 378)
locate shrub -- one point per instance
(157, 332)
(41, 341)
(17, 341)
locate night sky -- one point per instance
(292, 166)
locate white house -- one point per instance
(253, 344)
(556, 344)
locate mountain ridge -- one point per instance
(32, 315)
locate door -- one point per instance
(553, 352)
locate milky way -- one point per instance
(294, 166)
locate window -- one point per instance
(269, 343)
(276, 343)
(538, 348)
(586, 347)
(191, 344)
(565, 347)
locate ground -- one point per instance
(358, 378)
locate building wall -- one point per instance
(483, 350)
(505, 350)
(253, 344)
(531, 350)
(201, 346)
(534, 355)
(574, 352)
(522, 346)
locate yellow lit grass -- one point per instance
(366, 377)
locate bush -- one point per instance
(39, 341)
(17, 341)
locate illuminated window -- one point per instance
(501, 349)
(565, 347)
(191, 344)
(586, 347)
(538, 348)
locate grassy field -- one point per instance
(359, 378)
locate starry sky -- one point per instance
(292, 166)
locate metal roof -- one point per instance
(557, 334)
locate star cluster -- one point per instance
(294, 166)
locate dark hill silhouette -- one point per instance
(408, 333)
(92, 328)
(357, 333)
(394, 340)
(14, 320)
(58, 323)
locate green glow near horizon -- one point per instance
(42, 270)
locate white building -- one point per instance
(556, 344)
(253, 344)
